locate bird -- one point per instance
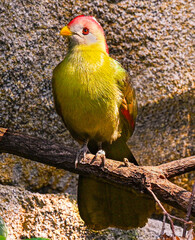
(94, 96)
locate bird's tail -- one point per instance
(103, 205)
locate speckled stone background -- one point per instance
(151, 39)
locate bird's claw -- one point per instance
(101, 153)
(81, 154)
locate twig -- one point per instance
(189, 210)
(164, 211)
(170, 217)
(163, 225)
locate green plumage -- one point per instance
(87, 89)
(94, 97)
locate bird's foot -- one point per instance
(81, 154)
(126, 162)
(101, 153)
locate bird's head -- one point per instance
(85, 30)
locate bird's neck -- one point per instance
(88, 66)
(97, 47)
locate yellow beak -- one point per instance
(65, 31)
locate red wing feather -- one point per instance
(129, 104)
(128, 117)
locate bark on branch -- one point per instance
(123, 173)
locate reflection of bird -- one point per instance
(94, 97)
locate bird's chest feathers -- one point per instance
(87, 90)
(87, 79)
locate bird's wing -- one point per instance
(129, 105)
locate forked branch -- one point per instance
(115, 172)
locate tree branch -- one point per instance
(178, 167)
(115, 172)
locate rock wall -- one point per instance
(151, 39)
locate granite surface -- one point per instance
(151, 39)
(55, 216)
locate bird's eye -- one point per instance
(85, 31)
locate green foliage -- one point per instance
(2, 238)
(3, 230)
